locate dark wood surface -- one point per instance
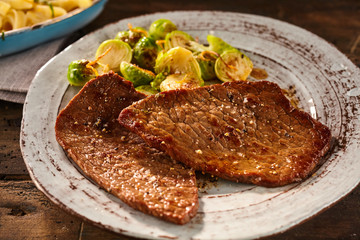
(25, 213)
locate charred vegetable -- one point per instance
(233, 65)
(206, 60)
(182, 39)
(177, 39)
(132, 36)
(81, 71)
(145, 53)
(138, 76)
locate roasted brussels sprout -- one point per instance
(218, 45)
(178, 39)
(113, 52)
(81, 71)
(159, 28)
(138, 76)
(233, 65)
(146, 89)
(123, 36)
(176, 61)
(182, 39)
(206, 60)
(179, 81)
(145, 53)
(132, 36)
(158, 80)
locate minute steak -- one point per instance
(241, 131)
(119, 160)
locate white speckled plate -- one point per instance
(326, 83)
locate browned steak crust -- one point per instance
(242, 131)
(119, 160)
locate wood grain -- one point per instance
(25, 213)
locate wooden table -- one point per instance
(25, 213)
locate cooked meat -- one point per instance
(119, 160)
(241, 131)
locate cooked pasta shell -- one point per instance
(14, 19)
(4, 8)
(84, 3)
(68, 5)
(47, 11)
(20, 4)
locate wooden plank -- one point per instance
(11, 161)
(341, 221)
(90, 232)
(26, 213)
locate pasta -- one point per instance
(15, 14)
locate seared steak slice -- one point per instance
(242, 131)
(119, 160)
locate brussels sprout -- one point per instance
(159, 28)
(218, 45)
(113, 52)
(233, 65)
(177, 60)
(146, 89)
(136, 75)
(206, 60)
(158, 80)
(179, 81)
(178, 39)
(145, 53)
(123, 36)
(81, 71)
(131, 36)
(182, 39)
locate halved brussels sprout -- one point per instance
(233, 65)
(132, 36)
(145, 53)
(206, 60)
(113, 52)
(146, 89)
(81, 71)
(182, 39)
(136, 75)
(218, 45)
(178, 39)
(159, 28)
(180, 81)
(158, 80)
(176, 61)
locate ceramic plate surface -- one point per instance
(27, 37)
(323, 79)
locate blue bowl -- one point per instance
(20, 39)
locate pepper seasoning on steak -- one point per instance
(241, 131)
(119, 160)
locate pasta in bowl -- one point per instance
(27, 23)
